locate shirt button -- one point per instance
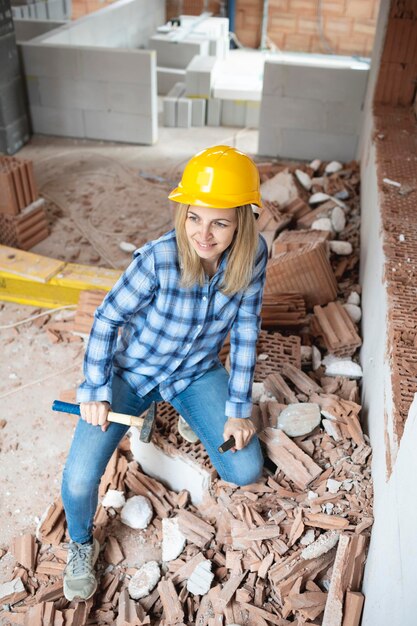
(199, 326)
(204, 298)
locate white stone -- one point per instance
(401, 238)
(315, 164)
(307, 538)
(262, 357)
(303, 178)
(354, 312)
(259, 391)
(332, 167)
(173, 541)
(312, 495)
(316, 360)
(343, 194)
(338, 219)
(347, 484)
(323, 544)
(306, 354)
(333, 485)
(327, 508)
(126, 246)
(144, 580)
(280, 188)
(12, 586)
(323, 223)
(113, 498)
(137, 512)
(331, 427)
(201, 578)
(354, 298)
(318, 197)
(299, 419)
(343, 248)
(338, 366)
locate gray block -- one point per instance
(326, 84)
(274, 78)
(184, 113)
(72, 94)
(29, 29)
(214, 109)
(12, 102)
(233, 113)
(119, 127)
(51, 61)
(122, 66)
(169, 112)
(167, 77)
(177, 53)
(343, 117)
(252, 116)
(270, 141)
(9, 65)
(177, 90)
(199, 76)
(307, 144)
(295, 113)
(57, 121)
(198, 112)
(14, 136)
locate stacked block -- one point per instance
(14, 129)
(23, 219)
(312, 111)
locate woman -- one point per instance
(176, 303)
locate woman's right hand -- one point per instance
(95, 413)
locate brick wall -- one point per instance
(348, 26)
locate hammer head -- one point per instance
(148, 424)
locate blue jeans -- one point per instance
(201, 405)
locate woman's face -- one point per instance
(210, 231)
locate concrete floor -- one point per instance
(33, 372)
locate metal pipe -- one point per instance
(264, 31)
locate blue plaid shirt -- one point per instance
(172, 335)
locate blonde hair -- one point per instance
(241, 260)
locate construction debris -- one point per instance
(288, 549)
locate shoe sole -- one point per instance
(69, 594)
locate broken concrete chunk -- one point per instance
(354, 298)
(308, 537)
(318, 197)
(126, 246)
(299, 419)
(173, 541)
(316, 358)
(354, 312)
(303, 178)
(306, 354)
(113, 498)
(338, 219)
(333, 485)
(343, 248)
(144, 580)
(280, 188)
(315, 164)
(10, 588)
(323, 544)
(200, 580)
(332, 167)
(339, 366)
(137, 512)
(323, 223)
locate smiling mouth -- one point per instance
(206, 246)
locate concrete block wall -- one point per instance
(97, 93)
(14, 127)
(44, 10)
(27, 29)
(312, 110)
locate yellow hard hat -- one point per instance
(219, 177)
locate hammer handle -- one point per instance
(119, 418)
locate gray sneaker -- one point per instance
(79, 577)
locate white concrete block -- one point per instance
(326, 84)
(57, 121)
(177, 90)
(307, 144)
(169, 112)
(198, 112)
(72, 94)
(122, 66)
(128, 98)
(274, 78)
(270, 141)
(233, 113)
(112, 126)
(200, 76)
(343, 117)
(167, 77)
(177, 53)
(177, 472)
(214, 108)
(51, 62)
(252, 114)
(32, 90)
(297, 113)
(184, 112)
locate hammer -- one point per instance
(145, 424)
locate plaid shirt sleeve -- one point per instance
(133, 290)
(243, 338)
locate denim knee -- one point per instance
(78, 486)
(242, 476)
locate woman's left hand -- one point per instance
(242, 430)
